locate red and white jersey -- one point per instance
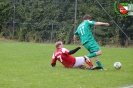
(62, 55)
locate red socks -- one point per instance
(89, 63)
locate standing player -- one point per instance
(86, 37)
(64, 56)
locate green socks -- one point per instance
(92, 55)
(99, 63)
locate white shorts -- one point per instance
(79, 61)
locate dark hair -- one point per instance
(86, 17)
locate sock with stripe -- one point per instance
(89, 63)
(92, 55)
(99, 63)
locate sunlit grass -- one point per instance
(27, 65)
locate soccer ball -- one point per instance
(117, 65)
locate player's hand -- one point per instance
(79, 47)
(76, 42)
(106, 24)
(53, 64)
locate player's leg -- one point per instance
(98, 62)
(88, 61)
(81, 60)
(93, 48)
(94, 52)
(95, 55)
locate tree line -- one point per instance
(53, 20)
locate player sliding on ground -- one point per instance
(86, 37)
(64, 56)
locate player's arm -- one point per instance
(74, 50)
(53, 62)
(75, 38)
(101, 23)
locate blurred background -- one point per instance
(47, 21)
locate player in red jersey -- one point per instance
(64, 56)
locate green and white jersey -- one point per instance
(84, 32)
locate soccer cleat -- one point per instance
(103, 69)
(95, 67)
(87, 59)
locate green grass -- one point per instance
(27, 65)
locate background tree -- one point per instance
(53, 20)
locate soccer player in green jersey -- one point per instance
(87, 39)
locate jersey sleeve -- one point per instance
(76, 33)
(53, 59)
(91, 23)
(65, 51)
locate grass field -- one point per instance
(27, 65)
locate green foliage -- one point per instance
(52, 20)
(5, 11)
(27, 65)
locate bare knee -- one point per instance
(99, 52)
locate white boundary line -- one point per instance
(131, 86)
